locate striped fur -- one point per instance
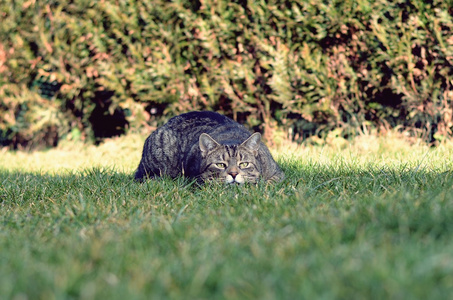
(209, 147)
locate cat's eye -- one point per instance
(244, 165)
(220, 165)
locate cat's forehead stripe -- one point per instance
(233, 150)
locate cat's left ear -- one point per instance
(207, 143)
(253, 143)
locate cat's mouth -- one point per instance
(238, 179)
(234, 183)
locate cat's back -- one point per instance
(198, 121)
(188, 127)
(181, 133)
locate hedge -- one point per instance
(87, 69)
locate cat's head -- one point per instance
(229, 163)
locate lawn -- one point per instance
(369, 219)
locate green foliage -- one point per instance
(308, 65)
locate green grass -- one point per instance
(373, 219)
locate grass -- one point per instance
(370, 219)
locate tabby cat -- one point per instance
(207, 146)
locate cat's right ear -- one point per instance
(207, 143)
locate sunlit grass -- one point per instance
(370, 218)
(122, 153)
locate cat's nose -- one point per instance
(233, 174)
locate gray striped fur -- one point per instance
(207, 146)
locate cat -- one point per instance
(207, 146)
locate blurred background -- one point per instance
(85, 70)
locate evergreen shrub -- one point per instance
(87, 69)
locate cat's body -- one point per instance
(207, 146)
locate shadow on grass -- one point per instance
(415, 201)
(314, 179)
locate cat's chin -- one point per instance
(238, 179)
(229, 180)
(233, 182)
